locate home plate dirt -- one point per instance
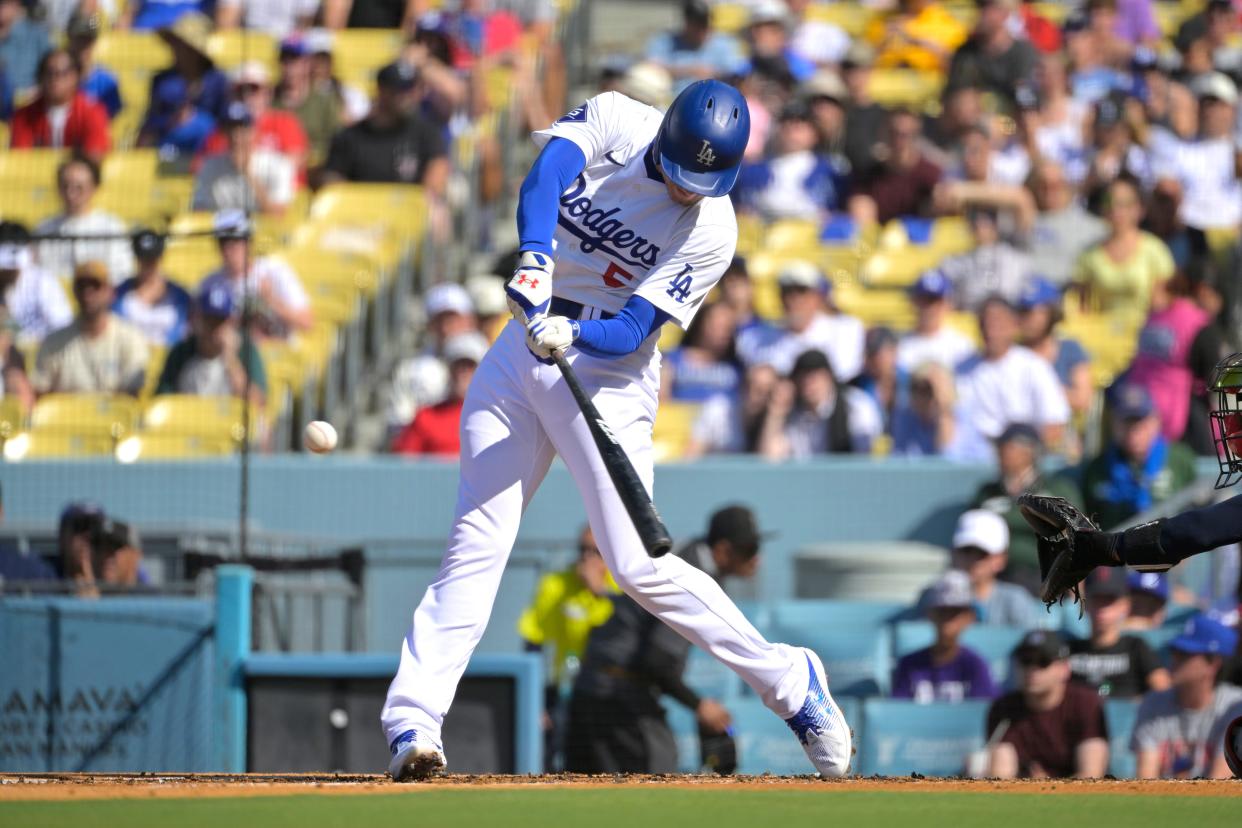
(70, 786)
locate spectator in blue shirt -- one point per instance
(704, 364)
(22, 46)
(97, 82)
(157, 14)
(695, 52)
(946, 671)
(149, 301)
(1039, 306)
(192, 85)
(796, 181)
(771, 53)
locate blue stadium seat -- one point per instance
(686, 730)
(1158, 639)
(901, 737)
(816, 613)
(708, 677)
(851, 637)
(1120, 715)
(993, 643)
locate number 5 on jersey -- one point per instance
(679, 287)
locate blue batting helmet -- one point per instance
(703, 137)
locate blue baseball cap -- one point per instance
(1204, 635)
(215, 299)
(1153, 583)
(1038, 291)
(933, 284)
(1132, 402)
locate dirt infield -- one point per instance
(68, 786)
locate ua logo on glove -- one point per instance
(530, 290)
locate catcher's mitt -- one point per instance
(1059, 525)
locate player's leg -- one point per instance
(504, 457)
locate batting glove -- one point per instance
(530, 290)
(550, 333)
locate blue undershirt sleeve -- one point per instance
(553, 171)
(621, 335)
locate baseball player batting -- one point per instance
(629, 208)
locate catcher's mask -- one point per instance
(1226, 416)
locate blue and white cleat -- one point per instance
(821, 727)
(414, 757)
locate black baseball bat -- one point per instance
(651, 529)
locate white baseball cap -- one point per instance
(447, 297)
(1216, 85)
(952, 589)
(470, 346)
(982, 529)
(649, 83)
(252, 71)
(488, 295)
(802, 274)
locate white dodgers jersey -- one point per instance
(617, 231)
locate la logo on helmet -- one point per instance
(706, 156)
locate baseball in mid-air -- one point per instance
(320, 437)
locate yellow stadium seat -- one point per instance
(108, 414)
(792, 237)
(174, 446)
(850, 17)
(134, 169)
(951, 235)
(189, 260)
(28, 184)
(318, 265)
(750, 230)
(362, 52)
(232, 48)
(12, 418)
(965, 323)
(381, 246)
(899, 268)
(155, 366)
(905, 87)
(56, 444)
(671, 432)
(123, 51)
(670, 338)
(729, 17)
(402, 206)
(191, 414)
(172, 194)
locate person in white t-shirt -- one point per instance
(811, 322)
(77, 181)
(1005, 384)
(932, 340)
(1206, 168)
(811, 414)
(246, 176)
(820, 42)
(275, 17)
(279, 304)
(36, 303)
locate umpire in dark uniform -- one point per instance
(616, 723)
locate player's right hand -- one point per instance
(529, 292)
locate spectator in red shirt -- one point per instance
(275, 130)
(436, 429)
(61, 115)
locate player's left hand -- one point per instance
(546, 334)
(530, 290)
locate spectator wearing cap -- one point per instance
(393, 144)
(897, 178)
(828, 101)
(97, 550)
(932, 339)
(248, 175)
(810, 321)
(1063, 229)
(795, 181)
(816, 41)
(355, 103)
(97, 82)
(216, 359)
(1179, 732)
(616, 721)
(14, 382)
(981, 550)
(1118, 666)
(1127, 271)
(1040, 311)
(772, 57)
(97, 352)
(423, 379)
(694, 51)
(993, 267)
(61, 115)
(77, 183)
(317, 108)
(1019, 451)
(34, 299)
(1049, 726)
(191, 85)
(923, 423)
(644, 81)
(918, 34)
(435, 429)
(703, 364)
(1149, 597)
(992, 58)
(1005, 383)
(23, 43)
(865, 119)
(275, 17)
(811, 413)
(279, 305)
(1116, 148)
(487, 294)
(148, 300)
(1205, 167)
(946, 671)
(275, 130)
(880, 379)
(1163, 362)
(734, 425)
(1139, 467)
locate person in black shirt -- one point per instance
(992, 59)
(1118, 666)
(864, 118)
(393, 144)
(616, 722)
